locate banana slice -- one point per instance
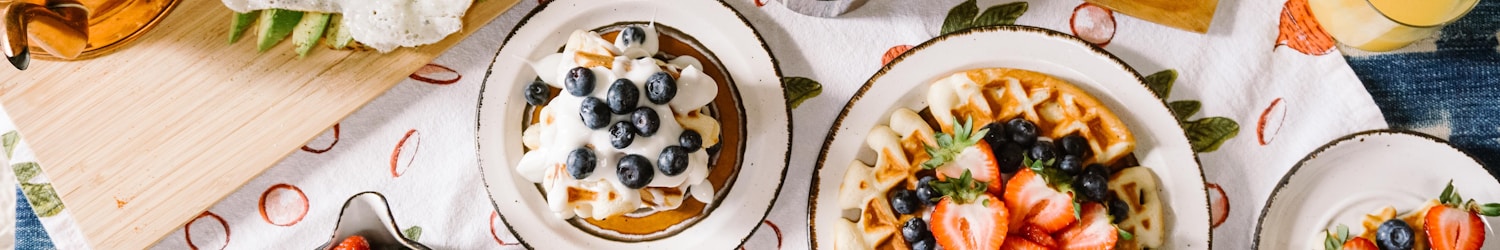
(1138, 187)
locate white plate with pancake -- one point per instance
(1351, 176)
(732, 52)
(1160, 142)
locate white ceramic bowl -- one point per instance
(1345, 179)
(755, 81)
(1160, 142)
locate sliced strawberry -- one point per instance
(1094, 231)
(1451, 228)
(979, 224)
(1031, 201)
(353, 243)
(1358, 243)
(979, 160)
(1030, 237)
(1016, 243)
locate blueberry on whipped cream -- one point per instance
(625, 112)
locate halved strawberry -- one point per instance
(978, 160)
(1031, 201)
(1094, 231)
(1455, 225)
(1358, 243)
(967, 217)
(1029, 237)
(964, 151)
(1453, 229)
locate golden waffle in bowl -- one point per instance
(984, 95)
(1057, 107)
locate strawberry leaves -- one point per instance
(963, 190)
(949, 146)
(1336, 240)
(1451, 198)
(1056, 179)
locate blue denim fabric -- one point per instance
(1461, 79)
(29, 231)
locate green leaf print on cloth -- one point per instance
(412, 233)
(1207, 134)
(25, 171)
(10, 139)
(966, 15)
(43, 199)
(799, 89)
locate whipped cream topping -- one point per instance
(560, 130)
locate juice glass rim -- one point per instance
(1460, 14)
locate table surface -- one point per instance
(138, 142)
(1288, 90)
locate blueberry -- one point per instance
(1070, 164)
(690, 140)
(926, 193)
(994, 134)
(1042, 151)
(594, 112)
(1394, 234)
(1118, 209)
(915, 229)
(580, 81)
(928, 243)
(1074, 144)
(634, 171)
(633, 35)
(673, 160)
(1096, 169)
(1009, 157)
(904, 201)
(1091, 187)
(645, 120)
(581, 163)
(1021, 131)
(621, 134)
(660, 88)
(537, 93)
(623, 96)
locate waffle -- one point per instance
(985, 95)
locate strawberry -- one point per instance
(1455, 225)
(1358, 243)
(1093, 231)
(1452, 229)
(1032, 201)
(353, 243)
(967, 217)
(1030, 237)
(964, 151)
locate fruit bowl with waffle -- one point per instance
(1007, 137)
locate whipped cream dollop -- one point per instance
(560, 129)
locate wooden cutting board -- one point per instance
(140, 141)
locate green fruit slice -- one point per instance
(308, 31)
(339, 37)
(240, 24)
(275, 25)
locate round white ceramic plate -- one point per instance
(1160, 142)
(746, 61)
(1354, 175)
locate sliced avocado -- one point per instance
(338, 36)
(240, 24)
(274, 25)
(308, 31)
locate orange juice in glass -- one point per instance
(1384, 25)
